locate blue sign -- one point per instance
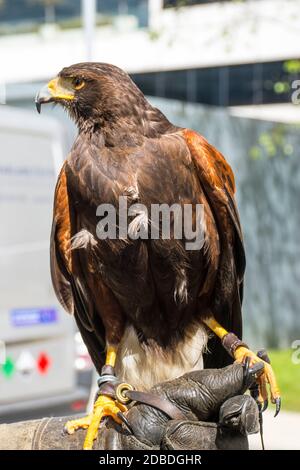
(33, 316)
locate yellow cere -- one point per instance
(59, 91)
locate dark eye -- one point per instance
(78, 83)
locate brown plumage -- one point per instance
(125, 147)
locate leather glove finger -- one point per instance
(238, 417)
(198, 395)
(191, 435)
(240, 413)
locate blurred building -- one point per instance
(239, 54)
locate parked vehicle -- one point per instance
(38, 374)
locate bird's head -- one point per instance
(92, 93)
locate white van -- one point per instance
(37, 370)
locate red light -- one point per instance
(43, 363)
(78, 405)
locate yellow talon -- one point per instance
(240, 355)
(268, 375)
(104, 406)
(80, 423)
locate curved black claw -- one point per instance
(265, 406)
(125, 421)
(251, 374)
(278, 406)
(262, 354)
(250, 380)
(256, 370)
(247, 380)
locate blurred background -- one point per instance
(228, 69)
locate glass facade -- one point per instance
(16, 12)
(180, 3)
(234, 85)
(137, 8)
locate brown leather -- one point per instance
(147, 398)
(160, 403)
(231, 342)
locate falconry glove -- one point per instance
(215, 415)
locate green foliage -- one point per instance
(271, 144)
(288, 376)
(281, 87)
(292, 66)
(153, 35)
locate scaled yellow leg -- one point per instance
(111, 355)
(240, 355)
(214, 326)
(104, 406)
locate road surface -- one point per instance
(282, 432)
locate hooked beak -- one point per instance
(54, 91)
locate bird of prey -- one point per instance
(144, 306)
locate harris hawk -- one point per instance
(146, 308)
